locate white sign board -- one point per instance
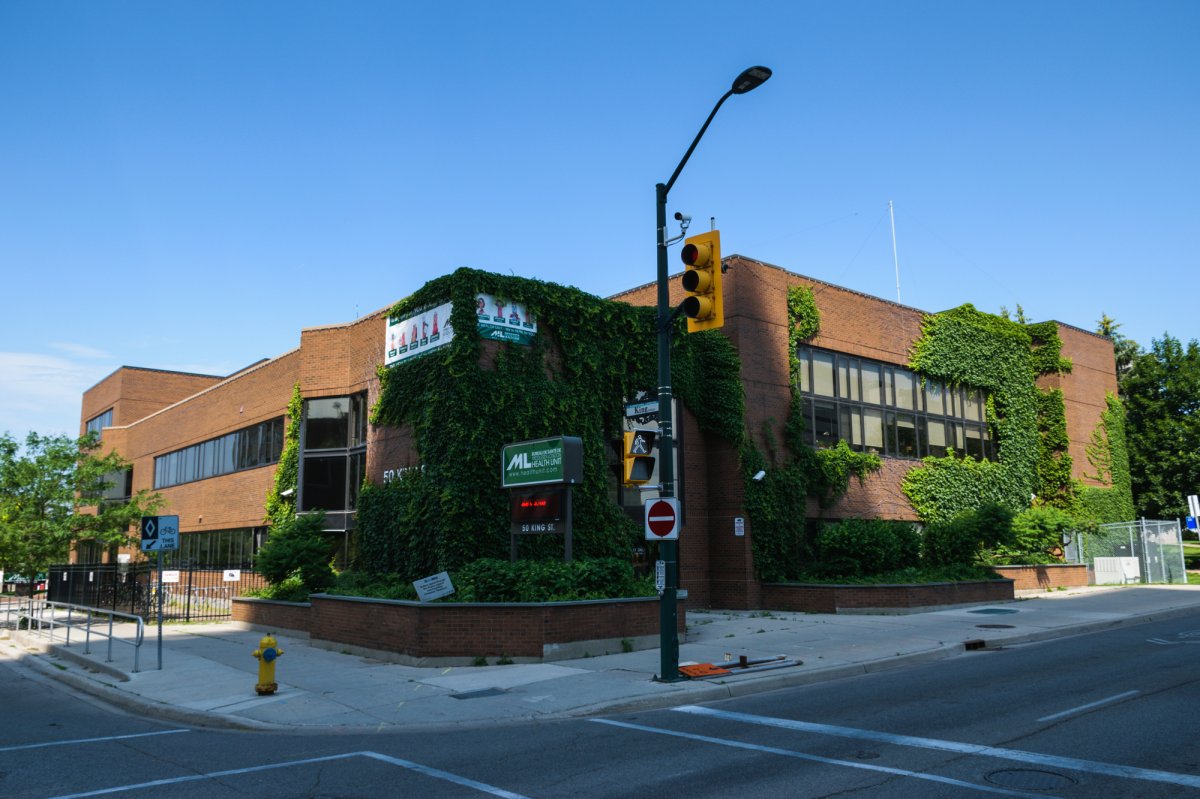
(660, 576)
(232, 575)
(170, 577)
(160, 533)
(1193, 505)
(418, 334)
(435, 587)
(739, 526)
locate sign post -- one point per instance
(160, 533)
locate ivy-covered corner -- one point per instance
(465, 401)
(965, 346)
(1108, 455)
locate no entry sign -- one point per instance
(662, 519)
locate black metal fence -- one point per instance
(189, 594)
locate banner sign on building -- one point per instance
(542, 462)
(419, 333)
(427, 330)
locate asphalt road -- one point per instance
(1104, 715)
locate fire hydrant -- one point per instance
(266, 653)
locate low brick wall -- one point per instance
(457, 630)
(1045, 578)
(822, 598)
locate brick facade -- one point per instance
(156, 412)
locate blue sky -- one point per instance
(184, 185)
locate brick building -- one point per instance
(209, 444)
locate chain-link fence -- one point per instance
(1143, 551)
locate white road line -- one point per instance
(899, 772)
(1089, 706)
(1074, 764)
(426, 770)
(89, 740)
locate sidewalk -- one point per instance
(208, 673)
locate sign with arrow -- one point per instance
(160, 533)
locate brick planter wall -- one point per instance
(1045, 577)
(457, 630)
(822, 598)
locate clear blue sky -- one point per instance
(185, 185)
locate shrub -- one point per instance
(960, 540)
(297, 548)
(494, 580)
(875, 546)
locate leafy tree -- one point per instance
(1162, 405)
(1125, 350)
(52, 492)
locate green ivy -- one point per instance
(463, 402)
(1055, 486)
(282, 509)
(1108, 455)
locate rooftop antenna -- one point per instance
(895, 257)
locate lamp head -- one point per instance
(750, 79)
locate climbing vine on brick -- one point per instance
(1108, 455)
(280, 508)
(965, 346)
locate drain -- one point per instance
(1030, 779)
(995, 626)
(478, 694)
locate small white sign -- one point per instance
(232, 575)
(1194, 505)
(739, 526)
(170, 577)
(435, 587)
(660, 576)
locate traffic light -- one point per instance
(639, 463)
(702, 281)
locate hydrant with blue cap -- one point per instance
(268, 650)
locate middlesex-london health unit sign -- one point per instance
(429, 329)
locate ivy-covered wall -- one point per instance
(1108, 455)
(465, 401)
(969, 347)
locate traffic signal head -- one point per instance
(637, 457)
(702, 281)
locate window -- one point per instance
(889, 410)
(334, 455)
(97, 423)
(249, 448)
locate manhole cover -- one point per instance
(993, 611)
(995, 626)
(477, 694)
(1029, 779)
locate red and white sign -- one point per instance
(662, 519)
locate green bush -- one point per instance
(961, 540)
(494, 580)
(875, 546)
(297, 548)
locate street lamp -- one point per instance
(748, 80)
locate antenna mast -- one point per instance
(895, 257)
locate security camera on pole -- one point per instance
(748, 80)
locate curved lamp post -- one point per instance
(748, 80)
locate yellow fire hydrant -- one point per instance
(268, 650)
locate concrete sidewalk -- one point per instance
(208, 673)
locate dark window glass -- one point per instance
(358, 429)
(358, 465)
(324, 486)
(98, 423)
(973, 446)
(889, 432)
(327, 423)
(825, 423)
(850, 426)
(906, 436)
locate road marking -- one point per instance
(89, 740)
(1089, 706)
(1054, 761)
(817, 758)
(395, 761)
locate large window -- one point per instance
(218, 549)
(97, 423)
(335, 453)
(888, 410)
(249, 448)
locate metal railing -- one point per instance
(47, 618)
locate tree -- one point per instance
(44, 488)
(1162, 402)
(1125, 350)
